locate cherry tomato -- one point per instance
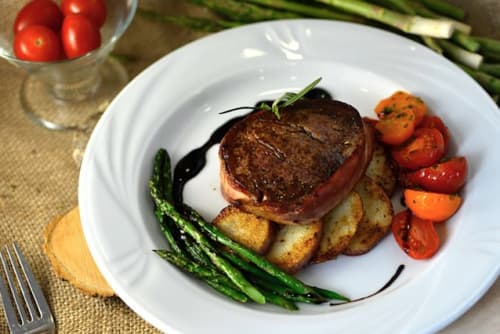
(79, 35)
(423, 150)
(396, 127)
(432, 206)
(446, 177)
(39, 12)
(401, 101)
(417, 237)
(95, 10)
(37, 43)
(435, 122)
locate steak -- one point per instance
(295, 169)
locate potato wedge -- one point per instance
(295, 245)
(339, 226)
(245, 228)
(376, 222)
(381, 170)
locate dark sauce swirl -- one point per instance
(386, 286)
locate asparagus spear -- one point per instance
(190, 266)
(195, 23)
(234, 275)
(285, 292)
(402, 6)
(307, 10)
(407, 23)
(445, 8)
(461, 33)
(460, 55)
(261, 278)
(161, 167)
(195, 251)
(432, 44)
(279, 301)
(215, 280)
(489, 82)
(492, 69)
(491, 56)
(421, 10)
(462, 30)
(406, 8)
(166, 175)
(244, 12)
(260, 274)
(466, 41)
(489, 44)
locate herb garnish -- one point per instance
(283, 101)
(288, 99)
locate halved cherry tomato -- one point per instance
(401, 101)
(396, 128)
(37, 43)
(446, 177)
(95, 10)
(79, 35)
(39, 12)
(416, 237)
(432, 206)
(434, 122)
(423, 150)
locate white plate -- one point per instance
(175, 104)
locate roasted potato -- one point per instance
(295, 245)
(381, 170)
(376, 222)
(245, 228)
(339, 226)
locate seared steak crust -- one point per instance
(293, 169)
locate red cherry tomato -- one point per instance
(423, 150)
(37, 43)
(93, 9)
(39, 12)
(446, 177)
(435, 122)
(79, 35)
(416, 237)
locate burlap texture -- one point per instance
(39, 180)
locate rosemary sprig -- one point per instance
(285, 100)
(288, 99)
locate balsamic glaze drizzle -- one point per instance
(193, 162)
(386, 286)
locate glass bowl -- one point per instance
(70, 94)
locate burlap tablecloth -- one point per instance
(39, 180)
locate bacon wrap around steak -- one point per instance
(295, 169)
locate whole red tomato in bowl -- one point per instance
(37, 43)
(79, 35)
(39, 12)
(95, 10)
